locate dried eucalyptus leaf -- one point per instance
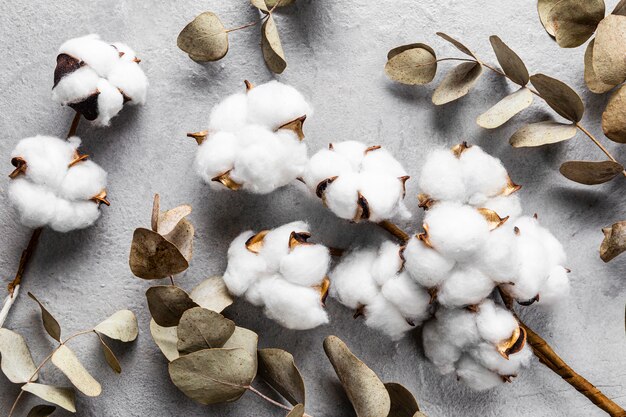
(620, 8)
(457, 83)
(109, 356)
(279, 370)
(609, 63)
(205, 38)
(167, 303)
(154, 219)
(153, 257)
(16, 361)
(591, 78)
(505, 109)
(169, 219)
(559, 96)
(271, 47)
(403, 403)
(614, 117)
(260, 4)
(182, 237)
(614, 242)
(67, 362)
(297, 411)
(590, 172)
(542, 133)
(49, 322)
(166, 338)
(41, 411)
(366, 392)
(574, 21)
(458, 45)
(212, 294)
(213, 376)
(61, 396)
(121, 326)
(544, 7)
(246, 339)
(511, 63)
(399, 49)
(280, 3)
(200, 328)
(415, 64)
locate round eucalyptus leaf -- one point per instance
(414, 65)
(204, 38)
(200, 328)
(167, 303)
(457, 83)
(574, 21)
(614, 116)
(608, 59)
(279, 370)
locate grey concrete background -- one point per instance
(336, 52)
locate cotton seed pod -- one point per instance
(96, 78)
(53, 185)
(254, 140)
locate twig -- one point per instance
(271, 401)
(269, 13)
(74, 125)
(400, 234)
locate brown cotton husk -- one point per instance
(101, 198)
(66, 64)
(255, 243)
(249, 85)
(404, 179)
(298, 239)
(425, 202)
(323, 288)
(514, 344)
(424, 236)
(493, 219)
(362, 210)
(457, 150)
(227, 181)
(295, 126)
(20, 167)
(372, 148)
(614, 242)
(199, 136)
(510, 188)
(88, 107)
(77, 158)
(321, 187)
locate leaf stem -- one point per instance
(246, 25)
(271, 401)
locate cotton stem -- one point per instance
(271, 401)
(400, 234)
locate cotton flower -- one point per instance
(357, 182)
(254, 140)
(282, 272)
(97, 78)
(53, 185)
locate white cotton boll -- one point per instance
(295, 155)
(216, 156)
(276, 243)
(34, 203)
(351, 281)
(482, 173)
(110, 102)
(464, 286)
(388, 262)
(455, 230)
(230, 114)
(426, 265)
(126, 52)
(383, 194)
(382, 161)
(352, 151)
(412, 300)
(499, 257)
(381, 315)
(341, 195)
(533, 268)
(305, 265)
(495, 323)
(97, 54)
(83, 181)
(244, 267)
(457, 327)
(131, 80)
(441, 177)
(505, 206)
(556, 287)
(487, 355)
(273, 104)
(476, 376)
(74, 215)
(323, 165)
(76, 86)
(554, 248)
(441, 353)
(47, 158)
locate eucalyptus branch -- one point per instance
(271, 401)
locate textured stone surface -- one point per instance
(336, 52)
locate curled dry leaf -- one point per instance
(154, 218)
(213, 376)
(505, 109)
(614, 242)
(620, 8)
(544, 7)
(121, 326)
(403, 403)
(563, 100)
(200, 328)
(61, 396)
(614, 116)
(457, 83)
(41, 411)
(109, 356)
(67, 362)
(279, 3)
(166, 338)
(271, 47)
(297, 411)
(609, 50)
(182, 237)
(591, 78)
(458, 45)
(204, 39)
(511, 63)
(366, 392)
(154, 257)
(49, 322)
(168, 220)
(212, 294)
(167, 303)
(16, 361)
(574, 21)
(260, 4)
(590, 172)
(412, 64)
(278, 369)
(542, 133)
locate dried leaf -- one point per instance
(212, 294)
(403, 403)
(280, 3)
(412, 64)
(204, 39)
(154, 219)
(620, 8)
(67, 362)
(167, 303)
(458, 45)
(590, 172)
(505, 109)
(260, 4)
(153, 257)
(169, 219)
(457, 83)
(49, 322)
(511, 63)
(41, 411)
(278, 369)
(297, 411)
(366, 392)
(246, 339)
(166, 339)
(63, 397)
(109, 356)
(271, 47)
(614, 116)
(16, 361)
(542, 133)
(200, 328)
(609, 63)
(544, 7)
(574, 21)
(591, 78)
(213, 376)
(559, 96)
(614, 242)
(182, 238)
(120, 326)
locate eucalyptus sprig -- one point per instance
(417, 64)
(18, 365)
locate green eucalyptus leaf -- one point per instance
(511, 63)
(15, 357)
(278, 369)
(121, 326)
(412, 64)
(505, 109)
(67, 362)
(205, 38)
(457, 83)
(200, 328)
(574, 21)
(49, 322)
(561, 97)
(403, 403)
(61, 396)
(590, 172)
(167, 303)
(542, 133)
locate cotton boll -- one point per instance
(244, 267)
(382, 161)
(477, 376)
(352, 151)
(34, 203)
(110, 102)
(76, 86)
(457, 327)
(95, 53)
(426, 265)
(494, 323)
(323, 165)
(556, 287)
(533, 268)
(274, 104)
(130, 79)
(388, 262)
(341, 195)
(351, 281)
(230, 114)
(215, 156)
(554, 248)
(441, 177)
(482, 173)
(410, 299)
(305, 265)
(295, 152)
(125, 52)
(47, 158)
(83, 181)
(382, 192)
(441, 353)
(74, 215)
(487, 355)
(276, 243)
(505, 206)
(382, 315)
(464, 286)
(499, 257)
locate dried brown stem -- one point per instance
(26, 256)
(271, 401)
(74, 125)
(398, 233)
